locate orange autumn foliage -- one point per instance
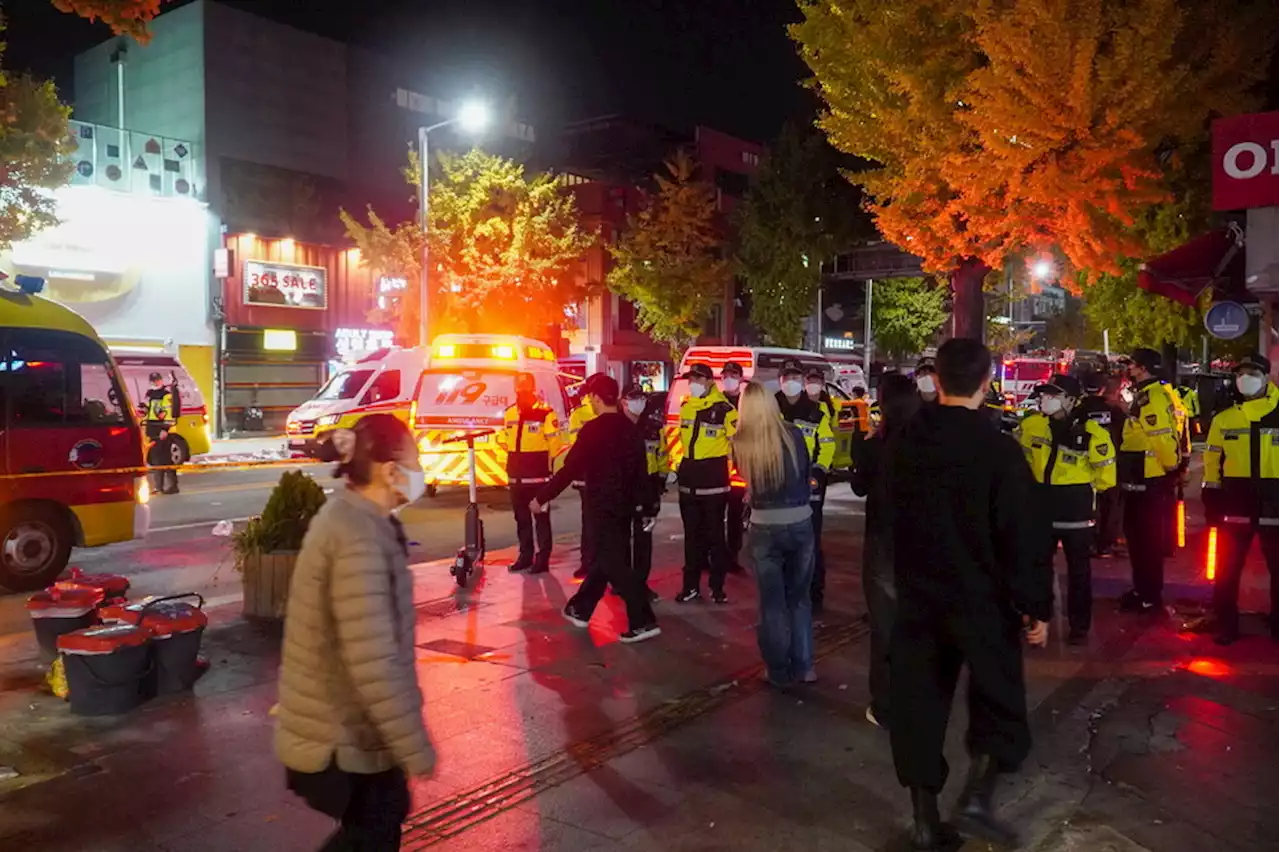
(125, 17)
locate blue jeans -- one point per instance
(783, 558)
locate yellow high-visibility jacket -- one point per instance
(532, 439)
(1241, 457)
(1149, 446)
(706, 425)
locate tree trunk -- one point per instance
(968, 308)
(266, 578)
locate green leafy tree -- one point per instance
(669, 262)
(906, 314)
(504, 248)
(795, 214)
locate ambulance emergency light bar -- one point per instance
(492, 351)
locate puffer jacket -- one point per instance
(348, 686)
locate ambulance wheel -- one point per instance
(432, 489)
(34, 548)
(179, 452)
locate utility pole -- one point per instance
(868, 345)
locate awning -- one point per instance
(1215, 259)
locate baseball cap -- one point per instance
(1256, 361)
(731, 368)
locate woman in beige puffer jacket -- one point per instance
(350, 724)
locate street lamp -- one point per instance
(1042, 270)
(472, 117)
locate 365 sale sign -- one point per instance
(1246, 151)
(284, 284)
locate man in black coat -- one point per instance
(969, 586)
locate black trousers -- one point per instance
(1233, 549)
(928, 651)
(704, 539)
(641, 552)
(161, 455)
(733, 523)
(882, 605)
(1077, 548)
(611, 566)
(528, 524)
(586, 542)
(818, 588)
(1110, 508)
(370, 808)
(1144, 527)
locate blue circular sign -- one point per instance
(1226, 320)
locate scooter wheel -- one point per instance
(462, 572)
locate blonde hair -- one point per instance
(761, 440)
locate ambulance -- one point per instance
(1017, 377)
(468, 384)
(71, 463)
(191, 435)
(761, 364)
(383, 382)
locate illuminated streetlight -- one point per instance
(1042, 269)
(473, 116)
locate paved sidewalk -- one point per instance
(556, 739)
(231, 449)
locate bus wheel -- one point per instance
(35, 547)
(179, 452)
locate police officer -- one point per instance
(648, 421)
(815, 387)
(578, 418)
(1148, 464)
(926, 381)
(806, 411)
(1240, 490)
(731, 386)
(707, 422)
(1096, 407)
(1072, 458)
(531, 437)
(159, 416)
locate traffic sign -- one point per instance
(1226, 320)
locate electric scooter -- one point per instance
(471, 554)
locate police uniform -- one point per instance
(1110, 417)
(657, 466)
(706, 425)
(1148, 461)
(531, 436)
(734, 521)
(1240, 495)
(159, 415)
(1071, 458)
(813, 418)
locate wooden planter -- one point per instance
(266, 578)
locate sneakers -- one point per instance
(810, 676)
(640, 634)
(1132, 602)
(574, 618)
(654, 597)
(688, 595)
(718, 596)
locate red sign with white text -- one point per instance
(284, 285)
(1245, 153)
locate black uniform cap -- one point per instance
(699, 371)
(634, 391)
(1148, 359)
(731, 368)
(1063, 384)
(1256, 361)
(156, 377)
(791, 366)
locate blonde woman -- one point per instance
(771, 457)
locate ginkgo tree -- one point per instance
(1002, 127)
(504, 248)
(125, 17)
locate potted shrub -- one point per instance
(267, 548)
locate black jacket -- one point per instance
(608, 458)
(1108, 416)
(965, 537)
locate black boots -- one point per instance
(973, 811)
(928, 832)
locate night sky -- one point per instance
(723, 63)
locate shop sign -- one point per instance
(285, 285)
(1245, 169)
(361, 341)
(844, 343)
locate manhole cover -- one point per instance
(454, 648)
(442, 607)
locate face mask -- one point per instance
(417, 484)
(697, 391)
(792, 387)
(729, 384)
(635, 406)
(813, 389)
(1050, 405)
(926, 385)
(1249, 385)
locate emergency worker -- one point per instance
(707, 422)
(648, 420)
(806, 412)
(1071, 458)
(731, 385)
(531, 437)
(578, 418)
(926, 382)
(159, 414)
(815, 387)
(1148, 466)
(1097, 407)
(1191, 402)
(1240, 489)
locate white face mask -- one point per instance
(926, 385)
(813, 389)
(730, 384)
(417, 483)
(1050, 405)
(697, 390)
(1250, 385)
(635, 406)
(791, 387)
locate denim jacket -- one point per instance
(790, 503)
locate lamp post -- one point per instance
(472, 116)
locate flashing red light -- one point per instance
(1208, 668)
(1211, 558)
(1182, 523)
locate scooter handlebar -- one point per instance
(468, 437)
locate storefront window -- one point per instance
(650, 375)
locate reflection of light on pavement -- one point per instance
(1208, 667)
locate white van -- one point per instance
(468, 385)
(382, 382)
(192, 435)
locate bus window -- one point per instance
(56, 378)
